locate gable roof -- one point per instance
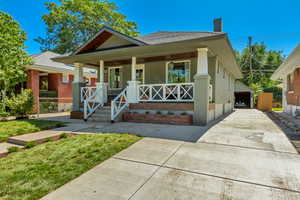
(43, 62)
(289, 65)
(104, 34)
(241, 87)
(161, 37)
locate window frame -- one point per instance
(177, 61)
(141, 66)
(63, 80)
(116, 67)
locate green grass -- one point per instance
(32, 173)
(19, 127)
(277, 109)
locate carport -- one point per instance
(243, 96)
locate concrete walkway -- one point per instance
(158, 169)
(165, 131)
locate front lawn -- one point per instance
(19, 127)
(33, 173)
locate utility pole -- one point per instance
(250, 58)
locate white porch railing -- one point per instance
(86, 92)
(92, 102)
(119, 104)
(177, 92)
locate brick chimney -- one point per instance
(218, 25)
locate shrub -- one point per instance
(147, 112)
(64, 135)
(47, 140)
(29, 145)
(22, 104)
(170, 113)
(158, 112)
(184, 113)
(13, 149)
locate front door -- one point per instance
(140, 73)
(114, 78)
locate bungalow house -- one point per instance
(53, 80)
(289, 73)
(164, 77)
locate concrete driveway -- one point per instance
(261, 166)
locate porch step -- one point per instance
(101, 115)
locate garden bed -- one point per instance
(32, 173)
(158, 118)
(19, 127)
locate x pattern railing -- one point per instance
(166, 92)
(119, 104)
(92, 103)
(86, 92)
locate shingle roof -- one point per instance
(174, 36)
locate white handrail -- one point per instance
(118, 104)
(92, 103)
(178, 92)
(86, 92)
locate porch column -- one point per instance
(132, 89)
(33, 83)
(102, 97)
(76, 86)
(201, 88)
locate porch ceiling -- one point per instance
(218, 46)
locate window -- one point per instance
(178, 72)
(140, 73)
(114, 75)
(65, 78)
(290, 82)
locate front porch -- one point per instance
(166, 80)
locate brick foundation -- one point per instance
(162, 106)
(158, 118)
(76, 115)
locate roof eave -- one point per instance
(112, 31)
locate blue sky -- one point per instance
(274, 22)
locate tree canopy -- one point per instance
(72, 22)
(263, 63)
(13, 57)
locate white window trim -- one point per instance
(178, 61)
(63, 80)
(141, 66)
(120, 67)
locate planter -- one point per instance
(76, 115)
(158, 118)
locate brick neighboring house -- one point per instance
(289, 73)
(47, 78)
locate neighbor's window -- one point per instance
(65, 78)
(178, 72)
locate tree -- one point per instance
(73, 22)
(264, 63)
(13, 57)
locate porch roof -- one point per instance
(164, 43)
